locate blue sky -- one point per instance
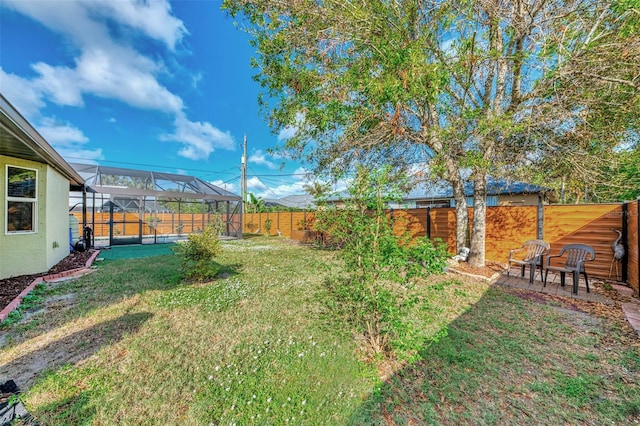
(158, 85)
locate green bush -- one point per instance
(198, 254)
(375, 295)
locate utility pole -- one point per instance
(243, 177)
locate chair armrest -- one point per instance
(511, 252)
(548, 262)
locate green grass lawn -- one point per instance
(256, 346)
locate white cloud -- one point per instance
(89, 156)
(303, 173)
(22, 93)
(226, 186)
(87, 21)
(133, 81)
(61, 134)
(153, 18)
(259, 157)
(287, 133)
(68, 141)
(259, 189)
(199, 139)
(61, 84)
(290, 131)
(104, 34)
(255, 185)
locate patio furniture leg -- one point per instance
(586, 280)
(562, 279)
(545, 277)
(532, 272)
(576, 278)
(522, 271)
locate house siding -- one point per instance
(32, 253)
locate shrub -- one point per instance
(375, 295)
(198, 254)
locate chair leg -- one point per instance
(545, 278)
(562, 279)
(576, 278)
(522, 271)
(532, 273)
(586, 280)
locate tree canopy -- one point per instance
(462, 89)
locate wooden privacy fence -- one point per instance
(507, 228)
(166, 223)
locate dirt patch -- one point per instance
(490, 268)
(11, 287)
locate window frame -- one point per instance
(33, 201)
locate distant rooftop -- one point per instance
(302, 201)
(442, 190)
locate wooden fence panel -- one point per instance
(443, 226)
(284, 223)
(590, 224)
(507, 228)
(633, 242)
(262, 220)
(299, 219)
(414, 221)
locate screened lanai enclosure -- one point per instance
(127, 206)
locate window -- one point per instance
(21, 199)
(492, 201)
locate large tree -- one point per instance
(455, 85)
(588, 127)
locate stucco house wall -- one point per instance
(57, 213)
(35, 252)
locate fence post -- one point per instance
(540, 219)
(638, 245)
(625, 242)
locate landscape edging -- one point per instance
(4, 314)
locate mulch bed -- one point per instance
(490, 268)
(11, 287)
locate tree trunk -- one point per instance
(462, 215)
(479, 229)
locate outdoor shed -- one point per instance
(34, 197)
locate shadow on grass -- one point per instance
(113, 282)
(71, 349)
(248, 236)
(508, 360)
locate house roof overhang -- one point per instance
(19, 139)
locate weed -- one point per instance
(31, 300)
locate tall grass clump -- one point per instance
(375, 294)
(198, 254)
